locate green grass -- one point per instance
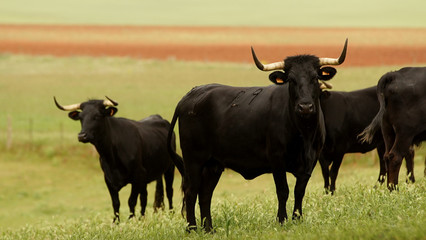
(65, 201)
(51, 186)
(329, 13)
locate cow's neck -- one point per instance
(104, 143)
(312, 131)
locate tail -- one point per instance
(177, 160)
(368, 134)
(171, 145)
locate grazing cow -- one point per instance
(401, 117)
(346, 114)
(253, 131)
(130, 151)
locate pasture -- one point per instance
(146, 55)
(52, 186)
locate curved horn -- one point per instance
(325, 85)
(71, 107)
(335, 61)
(110, 102)
(267, 67)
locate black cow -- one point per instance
(346, 115)
(254, 130)
(130, 151)
(401, 117)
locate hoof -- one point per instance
(190, 229)
(116, 220)
(326, 191)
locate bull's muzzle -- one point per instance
(305, 109)
(82, 137)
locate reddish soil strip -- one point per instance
(358, 55)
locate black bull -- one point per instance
(254, 130)
(401, 117)
(130, 151)
(346, 115)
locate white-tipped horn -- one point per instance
(110, 102)
(325, 85)
(335, 61)
(267, 67)
(71, 107)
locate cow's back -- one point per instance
(153, 131)
(405, 88)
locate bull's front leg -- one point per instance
(132, 200)
(115, 201)
(143, 197)
(281, 186)
(299, 193)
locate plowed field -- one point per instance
(367, 47)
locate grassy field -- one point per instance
(304, 13)
(141, 87)
(51, 186)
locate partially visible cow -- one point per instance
(401, 117)
(253, 131)
(346, 115)
(130, 151)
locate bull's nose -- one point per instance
(305, 108)
(82, 137)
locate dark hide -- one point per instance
(346, 114)
(253, 131)
(131, 152)
(401, 117)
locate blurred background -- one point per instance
(146, 55)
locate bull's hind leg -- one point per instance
(337, 161)
(159, 194)
(210, 177)
(389, 139)
(191, 186)
(168, 177)
(133, 198)
(382, 171)
(325, 173)
(400, 149)
(409, 163)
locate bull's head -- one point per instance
(302, 73)
(92, 115)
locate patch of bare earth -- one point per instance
(367, 47)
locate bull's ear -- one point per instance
(326, 73)
(74, 115)
(111, 111)
(278, 77)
